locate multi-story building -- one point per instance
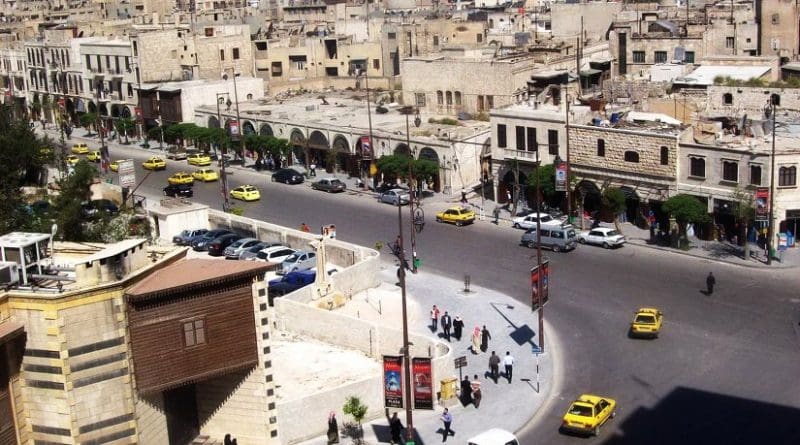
(13, 77)
(779, 28)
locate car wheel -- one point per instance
(530, 244)
(606, 245)
(596, 430)
(556, 249)
(459, 223)
(613, 414)
(516, 225)
(581, 240)
(438, 219)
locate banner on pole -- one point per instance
(561, 177)
(423, 383)
(536, 275)
(762, 204)
(392, 378)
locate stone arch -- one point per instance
(126, 113)
(429, 154)
(508, 182)
(248, 128)
(402, 150)
(266, 130)
(298, 143)
(103, 109)
(318, 141)
(91, 107)
(115, 112)
(341, 144)
(588, 196)
(213, 122)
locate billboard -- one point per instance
(127, 173)
(392, 381)
(762, 204)
(561, 177)
(423, 383)
(544, 276)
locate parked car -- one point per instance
(556, 238)
(275, 254)
(386, 186)
(287, 176)
(201, 243)
(72, 159)
(205, 175)
(181, 178)
(586, 414)
(217, 246)
(528, 221)
(97, 207)
(251, 254)
(602, 236)
(494, 436)
(246, 193)
(186, 236)
(176, 153)
(80, 148)
(179, 191)
(233, 251)
(290, 283)
(330, 185)
(646, 322)
(300, 260)
(154, 163)
(394, 195)
(456, 215)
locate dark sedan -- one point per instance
(288, 176)
(330, 185)
(201, 243)
(218, 245)
(179, 191)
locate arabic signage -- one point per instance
(392, 378)
(127, 173)
(423, 383)
(561, 177)
(762, 204)
(537, 275)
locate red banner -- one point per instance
(392, 381)
(762, 204)
(536, 275)
(423, 383)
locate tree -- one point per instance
(87, 121)
(685, 209)
(124, 126)
(744, 211)
(613, 200)
(74, 190)
(424, 170)
(393, 166)
(358, 410)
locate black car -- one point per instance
(288, 176)
(179, 191)
(98, 207)
(218, 245)
(201, 243)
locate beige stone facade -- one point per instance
(780, 22)
(751, 100)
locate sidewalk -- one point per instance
(513, 328)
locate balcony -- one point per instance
(529, 156)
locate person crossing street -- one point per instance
(710, 282)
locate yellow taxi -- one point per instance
(80, 149)
(93, 156)
(114, 166)
(155, 163)
(205, 175)
(181, 178)
(456, 215)
(588, 413)
(646, 322)
(72, 159)
(246, 193)
(199, 159)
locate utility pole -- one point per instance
(539, 299)
(569, 186)
(401, 275)
(771, 227)
(369, 121)
(223, 183)
(411, 205)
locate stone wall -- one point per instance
(151, 420)
(750, 100)
(235, 403)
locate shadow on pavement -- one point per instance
(384, 435)
(521, 334)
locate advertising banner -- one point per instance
(234, 129)
(423, 383)
(392, 378)
(561, 177)
(536, 275)
(366, 148)
(127, 173)
(762, 204)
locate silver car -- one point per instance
(251, 253)
(300, 260)
(233, 251)
(393, 195)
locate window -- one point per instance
(601, 147)
(755, 174)
(236, 54)
(664, 155)
(660, 57)
(439, 97)
(277, 69)
(222, 54)
(688, 57)
(449, 97)
(730, 171)
(457, 96)
(776, 19)
(480, 103)
(420, 99)
(520, 138)
(376, 64)
(697, 167)
(631, 156)
(392, 36)
(435, 40)
(532, 144)
(194, 333)
(787, 176)
(552, 142)
(638, 57)
(261, 46)
(502, 140)
(727, 99)
(489, 102)
(299, 62)
(479, 38)
(729, 42)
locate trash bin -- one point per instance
(449, 388)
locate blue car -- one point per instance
(200, 243)
(290, 283)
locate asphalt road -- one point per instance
(726, 368)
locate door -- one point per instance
(180, 407)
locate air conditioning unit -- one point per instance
(9, 272)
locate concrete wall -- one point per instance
(151, 420)
(597, 17)
(235, 403)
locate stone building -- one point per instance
(778, 22)
(13, 77)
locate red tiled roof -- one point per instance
(195, 272)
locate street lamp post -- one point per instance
(412, 204)
(401, 275)
(568, 184)
(539, 299)
(771, 226)
(223, 183)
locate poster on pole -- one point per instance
(392, 378)
(127, 173)
(762, 204)
(234, 129)
(544, 276)
(421, 369)
(561, 177)
(366, 147)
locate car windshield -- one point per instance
(612, 233)
(580, 410)
(571, 234)
(336, 182)
(645, 318)
(292, 258)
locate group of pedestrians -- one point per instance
(451, 327)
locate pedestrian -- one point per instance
(333, 429)
(710, 282)
(508, 363)
(476, 340)
(466, 391)
(396, 427)
(458, 325)
(227, 440)
(475, 385)
(304, 228)
(434, 318)
(494, 366)
(485, 337)
(508, 199)
(398, 246)
(447, 322)
(496, 214)
(313, 168)
(463, 196)
(447, 420)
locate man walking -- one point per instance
(446, 323)
(494, 366)
(447, 420)
(396, 427)
(466, 391)
(710, 282)
(475, 385)
(508, 362)
(434, 318)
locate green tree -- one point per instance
(744, 212)
(685, 209)
(424, 170)
(125, 126)
(355, 408)
(613, 200)
(393, 166)
(87, 121)
(74, 190)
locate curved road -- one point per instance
(725, 370)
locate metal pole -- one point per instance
(771, 229)
(539, 298)
(238, 120)
(411, 193)
(224, 177)
(401, 274)
(369, 120)
(160, 121)
(569, 186)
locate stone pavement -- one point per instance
(513, 328)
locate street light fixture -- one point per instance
(417, 218)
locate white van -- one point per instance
(494, 436)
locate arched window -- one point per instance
(601, 147)
(458, 97)
(449, 96)
(631, 156)
(787, 176)
(439, 98)
(727, 99)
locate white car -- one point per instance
(529, 221)
(602, 236)
(300, 260)
(275, 254)
(494, 436)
